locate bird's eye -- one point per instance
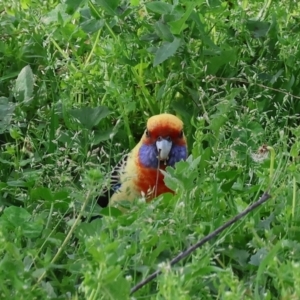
(147, 133)
(181, 134)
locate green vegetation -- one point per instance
(78, 80)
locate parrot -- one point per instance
(138, 173)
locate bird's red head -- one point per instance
(164, 126)
(163, 140)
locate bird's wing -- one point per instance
(115, 182)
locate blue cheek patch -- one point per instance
(177, 153)
(148, 155)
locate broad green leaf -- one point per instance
(205, 158)
(89, 229)
(241, 256)
(276, 76)
(159, 7)
(184, 174)
(17, 217)
(92, 25)
(205, 38)
(24, 85)
(217, 121)
(17, 183)
(171, 181)
(73, 5)
(38, 272)
(109, 6)
(42, 193)
(111, 211)
(229, 174)
(163, 31)
(25, 4)
(226, 186)
(9, 75)
(6, 111)
(90, 116)
(258, 257)
(6, 162)
(257, 28)
(56, 15)
(265, 224)
(217, 61)
(15, 133)
(165, 51)
(179, 25)
(135, 2)
(295, 150)
(101, 136)
(33, 229)
(255, 127)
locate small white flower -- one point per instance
(261, 155)
(181, 204)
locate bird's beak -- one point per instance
(163, 147)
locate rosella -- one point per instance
(162, 144)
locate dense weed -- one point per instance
(78, 80)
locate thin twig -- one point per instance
(210, 236)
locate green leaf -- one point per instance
(294, 150)
(258, 257)
(229, 174)
(165, 51)
(217, 121)
(109, 6)
(183, 176)
(240, 256)
(89, 229)
(6, 112)
(57, 14)
(24, 85)
(90, 116)
(101, 136)
(163, 31)
(159, 7)
(15, 133)
(19, 218)
(257, 28)
(91, 26)
(226, 187)
(16, 215)
(205, 38)
(73, 5)
(265, 224)
(111, 211)
(205, 158)
(16, 183)
(172, 182)
(179, 25)
(42, 193)
(135, 2)
(217, 61)
(33, 229)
